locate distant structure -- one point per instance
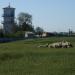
(8, 17)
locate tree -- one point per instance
(27, 27)
(15, 27)
(25, 22)
(39, 30)
(1, 33)
(25, 17)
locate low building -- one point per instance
(29, 34)
(47, 34)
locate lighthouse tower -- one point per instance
(8, 17)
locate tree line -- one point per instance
(22, 24)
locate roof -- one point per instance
(29, 32)
(8, 7)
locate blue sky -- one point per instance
(51, 15)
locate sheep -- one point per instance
(62, 44)
(46, 45)
(55, 45)
(66, 44)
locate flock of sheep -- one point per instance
(62, 44)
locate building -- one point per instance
(47, 34)
(8, 19)
(29, 34)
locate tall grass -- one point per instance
(25, 58)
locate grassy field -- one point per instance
(25, 58)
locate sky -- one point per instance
(51, 15)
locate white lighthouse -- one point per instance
(8, 16)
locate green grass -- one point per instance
(25, 58)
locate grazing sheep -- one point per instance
(46, 45)
(55, 45)
(63, 44)
(66, 44)
(70, 45)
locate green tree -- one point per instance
(24, 17)
(25, 22)
(27, 27)
(39, 30)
